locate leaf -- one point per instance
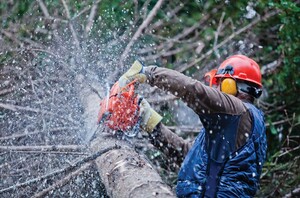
(272, 128)
(297, 59)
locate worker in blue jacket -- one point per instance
(227, 156)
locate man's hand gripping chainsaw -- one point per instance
(126, 111)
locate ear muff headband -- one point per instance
(229, 86)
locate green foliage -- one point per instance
(116, 16)
(17, 11)
(284, 84)
(283, 87)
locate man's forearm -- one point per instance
(169, 143)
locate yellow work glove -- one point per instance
(150, 118)
(135, 72)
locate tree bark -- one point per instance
(125, 173)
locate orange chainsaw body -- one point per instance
(120, 110)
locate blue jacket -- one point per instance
(213, 168)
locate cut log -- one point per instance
(125, 173)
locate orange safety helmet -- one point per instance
(209, 78)
(245, 73)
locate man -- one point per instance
(227, 156)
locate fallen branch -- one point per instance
(43, 148)
(11, 37)
(64, 170)
(18, 135)
(20, 41)
(6, 91)
(52, 152)
(62, 182)
(21, 108)
(17, 107)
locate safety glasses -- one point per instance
(227, 70)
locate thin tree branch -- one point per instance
(217, 34)
(172, 52)
(170, 42)
(6, 91)
(66, 9)
(17, 107)
(145, 9)
(289, 151)
(74, 35)
(185, 129)
(90, 20)
(159, 23)
(44, 8)
(136, 11)
(87, 8)
(138, 33)
(62, 182)
(60, 59)
(51, 152)
(47, 16)
(64, 170)
(294, 193)
(21, 108)
(20, 41)
(18, 135)
(247, 27)
(42, 148)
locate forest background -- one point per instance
(43, 44)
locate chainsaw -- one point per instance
(119, 111)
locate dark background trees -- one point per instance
(45, 45)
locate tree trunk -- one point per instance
(125, 173)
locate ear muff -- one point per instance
(228, 86)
